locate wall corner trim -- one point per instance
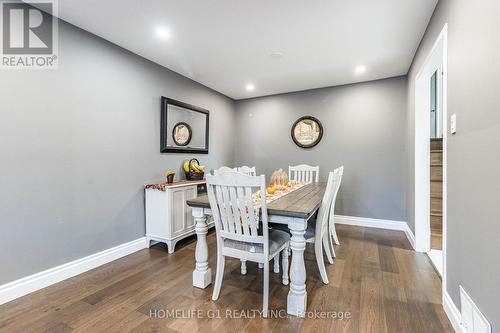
(453, 313)
(37, 281)
(378, 223)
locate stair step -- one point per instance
(436, 144)
(436, 222)
(437, 189)
(436, 157)
(437, 173)
(436, 205)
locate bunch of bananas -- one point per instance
(193, 166)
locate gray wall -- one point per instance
(364, 130)
(473, 160)
(78, 143)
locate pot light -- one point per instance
(250, 87)
(360, 69)
(163, 33)
(276, 55)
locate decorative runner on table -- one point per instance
(281, 190)
(278, 193)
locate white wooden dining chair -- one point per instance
(333, 238)
(304, 173)
(318, 233)
(225, 169)
(251, 172)
(239, 234)
(247, 170)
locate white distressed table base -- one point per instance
(296, 305)
(297, 296)
(202, 275)
(202, 279)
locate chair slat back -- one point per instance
(304, 173)
(231, 201)
(247, 170)
(324, 209)
(224, 169)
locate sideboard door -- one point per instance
(182, 218)
(191, 193)
(178, 210)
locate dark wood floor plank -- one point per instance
(397, 318)
(387, 259)
(393, 288)
(348, 294)
(372, 310)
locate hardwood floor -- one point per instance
(376, 278)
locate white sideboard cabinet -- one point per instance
(168, 218)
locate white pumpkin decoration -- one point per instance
(279, 179)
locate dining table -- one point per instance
(294, 209)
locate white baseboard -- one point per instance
(411, 237)
(377, 223)
(453, 313)
(29, 284)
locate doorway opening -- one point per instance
(430, 155)
(436, 168)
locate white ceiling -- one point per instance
(226, 44)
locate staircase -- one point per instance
(436, 194)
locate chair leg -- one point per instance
(277, 263)
(318, 249)
(265, 304)
(332, 247)
(285, 268)
(333, 231)
(243, 267)
(328, 248)
(218, 277)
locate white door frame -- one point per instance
(437, 55)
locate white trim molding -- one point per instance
(453, 313)
(29, 284)
(378, 223)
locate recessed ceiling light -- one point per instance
(360, 69)
(276, 55)
(163, 33)
(250, 87)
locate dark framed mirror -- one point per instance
(307, 132)
(184, 127)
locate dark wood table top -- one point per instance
(300, 203)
